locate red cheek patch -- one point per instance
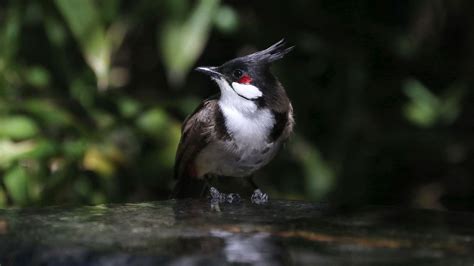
(245, 79)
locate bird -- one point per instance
(237, 131)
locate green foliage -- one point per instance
(17, 127)
(13, 151)
(153, 122)
(87, 27)
(60, 145)
(319, 176)
(425, 108)
(183, 38)
(16, 183)
(226, 19)
(92, 95)
(37, 77)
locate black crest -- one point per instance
(271, 54)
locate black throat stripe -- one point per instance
(221, 128)
(281, 119)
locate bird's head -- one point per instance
(248, 76)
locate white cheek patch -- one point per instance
(247, 90)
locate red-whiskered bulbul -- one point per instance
(238, 131)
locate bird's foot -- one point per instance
(258, 197)
(233, 198)
(217, 197)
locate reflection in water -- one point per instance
(253, 248)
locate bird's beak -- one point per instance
(211, 71)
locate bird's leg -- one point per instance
(207, 181)
(219, 197)
(215, 197)
(258, 197)
(214, 194)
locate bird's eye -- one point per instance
(237, 73)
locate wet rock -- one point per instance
(189, 232)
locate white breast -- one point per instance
(248, 124)
(249, 127)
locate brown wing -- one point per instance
(203, 126)
(196, 133)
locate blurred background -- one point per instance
(93, 93)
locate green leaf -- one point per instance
(74, 149)
(16, 182)
(49, 112)
(320, 178)
(85, 23)
(38, 77)
(154, 121)
(3, 198)
(109, 9)
(128, 107)
(17, 127)
(171, 141)
(11, 151)
(226, 19)
(183, 40)
(43, 148)
(425, 108)
(55, 31)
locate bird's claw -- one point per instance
(258, 197)
(233, 198)
(217, 197)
